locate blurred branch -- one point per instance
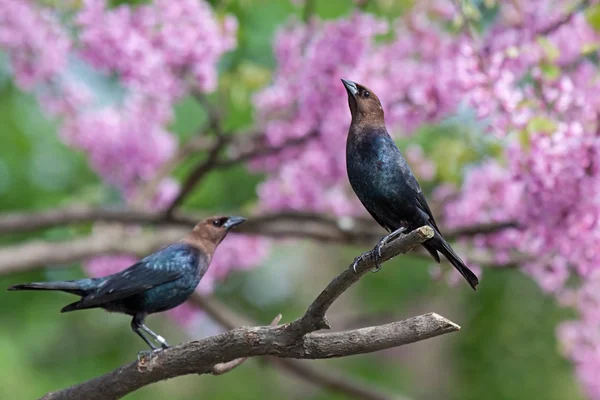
(309, 10)
(199, 171)
(280, 225)
(291, 224)
(40, 253)
(213, 162)
(195, 144)
(565, 19)
(294, 340)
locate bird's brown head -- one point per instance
(364, 104)
(208, 233)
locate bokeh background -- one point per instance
(114, 104)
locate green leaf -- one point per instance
(541, 125)
(550, 71)
(550, 50)
(592, 16)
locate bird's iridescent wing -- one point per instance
(159, 268)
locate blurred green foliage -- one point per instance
(506, 350)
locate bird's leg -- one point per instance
(383, 242)
(156, 337)
(136, 324)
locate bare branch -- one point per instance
(199, 357)
(222, 368)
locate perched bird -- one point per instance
(159, 282)
(383, 181)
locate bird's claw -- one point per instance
(145, 355)
(376, 268)
(356, 261)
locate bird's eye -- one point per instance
(366, 93)
(217, 222)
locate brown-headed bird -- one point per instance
(383, 181)
(159, 282)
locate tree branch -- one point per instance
(213, 162)
(286, 341)
(199, 357)
(286, 224)
(290, 224)
(350, 386)
(223, 368)
(39, 253)
(201, 169)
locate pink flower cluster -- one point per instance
(155, 47)
(37, 44)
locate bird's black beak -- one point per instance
(351, 87)
(233, 221)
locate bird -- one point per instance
(384, 183)
(158, 282)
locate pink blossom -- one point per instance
(38, 46)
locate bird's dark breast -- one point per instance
(374, 175)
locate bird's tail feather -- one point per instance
(78, 305)
(73, 287)
(440, 244)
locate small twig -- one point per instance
(222, 368)
(213, 162)
(309, 10)
(199, 171)
(565, 19)
(262, 151)
(196, 144)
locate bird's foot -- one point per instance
(145, 356)
(376, 253)
(357, 260)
